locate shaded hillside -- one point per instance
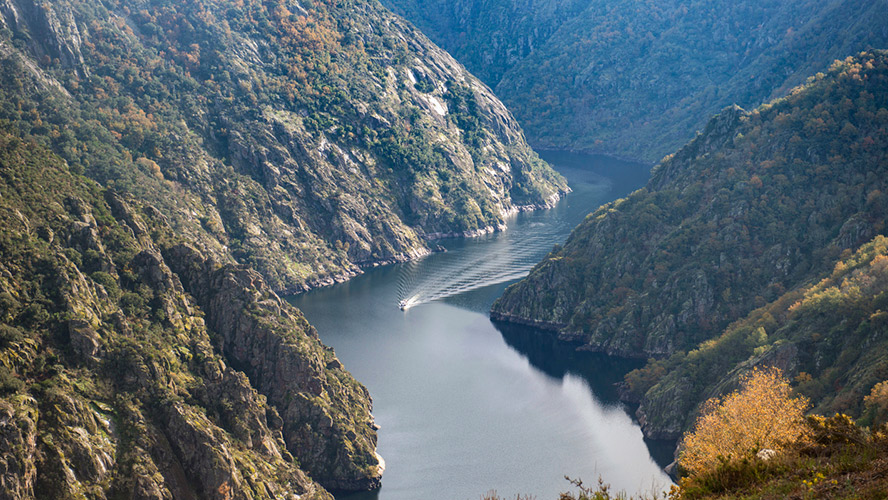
(304, 141)
(828, 336)
(638, 79)
(759, 203)
(132, 366)
(489, 37)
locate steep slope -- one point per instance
(121, 378)
(829, 336)
(489, 37)
(638, 79)
(759, 203)
(305, 141)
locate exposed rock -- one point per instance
(18, 448)
(110, 386)
(326, 417)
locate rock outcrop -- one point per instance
(326, 420)
(116, 381)
(307, 143)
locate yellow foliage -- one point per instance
(878, 397)
(762, 414)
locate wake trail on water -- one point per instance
(474, 266)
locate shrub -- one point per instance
(108, 283)
(132, 303)
(10, 335)
(9, 382)
(762, 414)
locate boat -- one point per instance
(402, 305)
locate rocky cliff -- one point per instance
(165, 169)
(133, 366)
(305, 141)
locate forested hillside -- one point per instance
(304, 141)
(638, 79)
(828, 336)
(165, 168)
(759, 203)
(133, 366)
(489, 37)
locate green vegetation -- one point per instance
(267, 134)
(489, 37)
(759, 203)
(634, 78)
(111, 381)
(153, 157)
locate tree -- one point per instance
(761, 415)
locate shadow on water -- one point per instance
(558, 359)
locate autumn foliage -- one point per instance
(762, 414)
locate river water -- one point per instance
(467, 406)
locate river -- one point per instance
(467, 406)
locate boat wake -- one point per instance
(500, 257)
(468, 268)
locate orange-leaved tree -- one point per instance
(761, 415)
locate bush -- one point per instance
(9, 382)
(132, 303)
(10, 335)
(762, 414)
(108, 283)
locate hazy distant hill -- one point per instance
(639, 78)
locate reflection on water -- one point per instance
(558, 359)
(466, 406)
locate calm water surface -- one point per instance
(466, 406)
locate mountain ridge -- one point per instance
(637, 80)
(707, 187)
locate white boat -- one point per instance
(402, 305)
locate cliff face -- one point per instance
(307, 142)
(489, 37)
(637, 78)
(757, 204)
(118, 381)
